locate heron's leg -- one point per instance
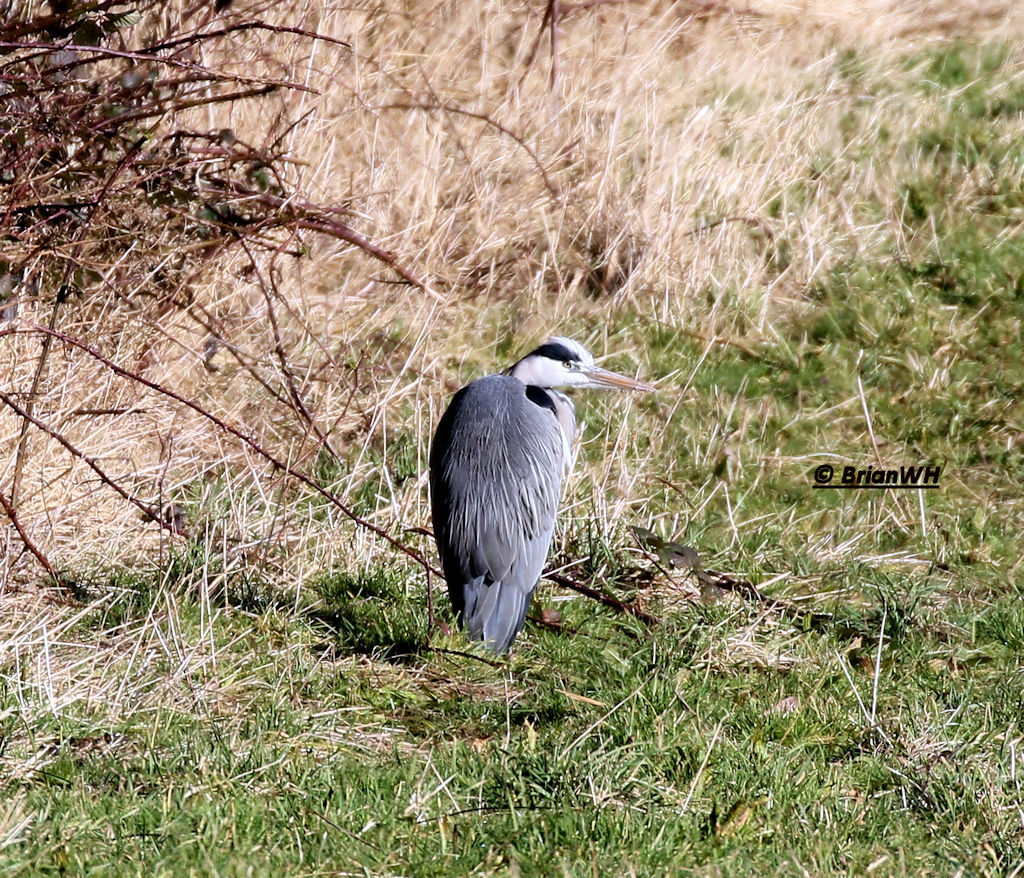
(430, 601)
(509, 688)
(432, 620)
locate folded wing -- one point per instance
(496, 470)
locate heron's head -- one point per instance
(562, 362)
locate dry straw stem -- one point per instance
(657, 171)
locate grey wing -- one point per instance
(496, 472)
(495, 609)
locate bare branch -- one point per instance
(26, 540)
(607, 600)
(483, 117)
(148, 511)
(248, 441)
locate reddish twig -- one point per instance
(298, 403)
(26, 540)
(95, 54)
(549, 22)
(483, 117)
(313, 217)
(238, 434)
(19, 459)
(340, 230)
(150, 513)
(553, 24)
(243, 26)
(176, 104)
(748, 591)
(565, 9)
(752, 221)
(607, 600)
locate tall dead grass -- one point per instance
(684, 160)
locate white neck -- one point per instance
(565, 411)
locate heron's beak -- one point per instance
(603, 378)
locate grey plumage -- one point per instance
(492, 562)
(497, 464)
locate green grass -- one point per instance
(690, 761)
(329, 736)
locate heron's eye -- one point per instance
(571, 365)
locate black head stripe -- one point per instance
(541, 397)
(555, 351)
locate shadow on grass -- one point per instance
(370, 612)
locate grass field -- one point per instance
(805, 224)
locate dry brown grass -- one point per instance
(656, 175)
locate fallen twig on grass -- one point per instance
(750, 592)
(751, 221)
(676, 555)
(607, 600)
(469, 655)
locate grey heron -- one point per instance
(497, 463)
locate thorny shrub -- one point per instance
(115, 199)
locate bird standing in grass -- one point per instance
(497, 463)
